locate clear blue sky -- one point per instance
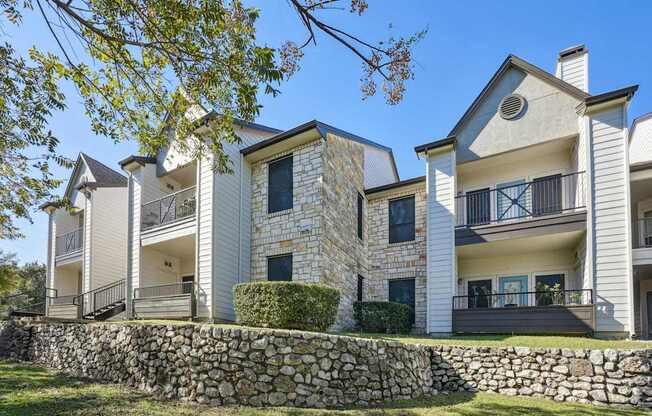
(465, 45)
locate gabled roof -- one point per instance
(513, 61)
(637, 120)
(323, 130)
(212, 114)
(389, 186)
(104, 176)
(141, 160)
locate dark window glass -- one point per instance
(279, 192)
(360, 287)
(360, 215)
(550, 289)
(478, 207)
(186, 286)
(401, 220)
(279, 268)
(402, 291)
(479, 292)
(546, 195)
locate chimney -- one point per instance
(573, 66)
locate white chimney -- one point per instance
(573, 66)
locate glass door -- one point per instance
(513, 290)
(511, 200)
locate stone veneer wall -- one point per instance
(221, 365)
(400, 260)
(298, 230)
(344, 255)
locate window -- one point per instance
(280, 184)
(187, 283)
(360, 288)
(360, 214)
(402, 291)
(479, 293)
(478, 207)
(279, 268)
(401, 220)
(550, 289)
(546, 195)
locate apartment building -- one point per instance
(532, 215)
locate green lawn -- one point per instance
(27, 390)
(540, 341)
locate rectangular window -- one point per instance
(546, 195)
(360, 214)
(401, 220)
(402, 291)
(550, 289)
(280, 185)
(479, 292)
(478, 207)
(279, 268)
(511, 200)
(360, 288)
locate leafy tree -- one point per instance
(140, 65)
(9, 273)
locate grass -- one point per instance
(532, 341)
(28, 390)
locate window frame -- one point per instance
(360, 215)
(360, 292)
(414, 295)
(389, 219)
(277, 256)
(270, 163)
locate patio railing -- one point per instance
(170, 208)
(69, 242)
(515, 201)
(550, 297)
(642, 232)
(170, 289)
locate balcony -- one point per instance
(558, 201)
(166, 301)
(169, 209)
(642, 242)
(551, 311)
(69, 245)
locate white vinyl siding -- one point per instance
(440, 240)
(574, 70)
(134, 212)
(88, 243)
(109, 237)
(205, 237)
(640, 149)
(612, 271)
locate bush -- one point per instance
(385, 317)
(287, 305)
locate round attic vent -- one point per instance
(511, 106)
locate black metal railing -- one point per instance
(166, 210)
(26, 303)
(642, 233)
(170, 289)
(69, 242)
(549, 195)
(96, 300)
(551, 297)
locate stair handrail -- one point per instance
(116, 289)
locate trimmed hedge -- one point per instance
(384, 317)
(288, 305)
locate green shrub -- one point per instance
(384, 317)
(288, 305)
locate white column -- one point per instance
(440, 286)
(611, 219)
(86, 253)
(205, 238)
(134, 256)
(52, 240)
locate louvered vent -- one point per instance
(511, 106)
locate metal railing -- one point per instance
(170, 208)
(63, 300)
(105, 296)
(551, 297)
(642, 233)
(69, 242)
(170, 289)
(550, 195)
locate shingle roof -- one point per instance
(104, 175)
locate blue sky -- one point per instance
(466, 43)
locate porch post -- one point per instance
(52, 240)
(440, 241)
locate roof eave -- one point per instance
(425, 148)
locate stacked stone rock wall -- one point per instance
(257, 367)
(399, 260)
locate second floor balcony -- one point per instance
(520, 200)
(169, 209)
(69, 243)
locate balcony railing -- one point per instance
(551, 297)
(69, 242)
(642, 232)
(170, 208)
(515, 201)
(170, 289)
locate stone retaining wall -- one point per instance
(219, 365)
